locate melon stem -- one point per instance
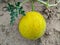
(32, 5)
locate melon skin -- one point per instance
(32, 26)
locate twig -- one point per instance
(47, 4)
(24, 2)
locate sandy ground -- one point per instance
(10, 35)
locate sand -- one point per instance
(10, 35)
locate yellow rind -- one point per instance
(32, 26)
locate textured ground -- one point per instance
(10, 35)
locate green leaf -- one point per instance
(17, 4)
(21, 8)
(15, 11)
(11, 14)
(23, 13)
(10, 7)
(12, 20)
(16, 14)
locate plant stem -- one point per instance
(24, 2)
(47, 3)
(32, 5)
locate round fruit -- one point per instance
(32, 26)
